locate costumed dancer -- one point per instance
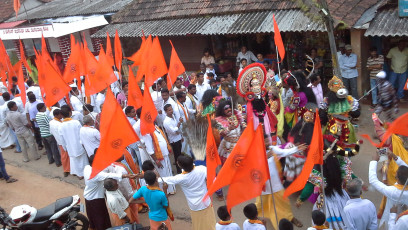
(387, 98)
(250, 85)
(275, 102)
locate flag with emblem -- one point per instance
(116, 134)
(314, 156)
(156, 65)
(90, 67)
(176, 68)
(148, 115)
(144, 58)
(246, 167)
(212, 157)
(135, 97)
(72, 68)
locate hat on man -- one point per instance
(381, 74)
(348, 47)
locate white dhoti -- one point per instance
(77, 164)
(166, 172)
(6, 137)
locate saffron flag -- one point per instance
(6, 69)
(144, 59)
(148, 115)
(17, 6)
(137, 56)
(109, 53)
(23, 57)
(20, 81)
(135, 97)
(118, 53)
(278, 39)
(90, 65)
(116, 134)
(176, 68)
(156, 65)
(314, 156)
(212, 157)
(72, 68)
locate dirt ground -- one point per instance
(40, 184)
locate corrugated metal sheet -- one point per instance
(254, 22)
(63, 8)
(388, 23)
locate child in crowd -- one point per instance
(117, 203)
(285, 224)
(226, 222)
(252, 223)
(211, 70)
(319, 220)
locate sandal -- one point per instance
(11, 180)
(144, 210)
(297, 222)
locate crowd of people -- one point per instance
(286, 106)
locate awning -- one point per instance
(7, 25)
(253, 22)
(387, 23)
(52, 29)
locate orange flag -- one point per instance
(54, 87)
(6, 69)
(23, 57)
(90, 65)
(135, 97)
(17, 6)
(72, 68)
(212, 157)
(156, 65)
(314, 156)
(20, 80)
(118, 53)
(137, 56)
(176, 68)
(109, 53)
(116, 134)
(278, 39)
(144, 59)
(148, 115)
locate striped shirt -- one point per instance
(375, 61)
(44, 123)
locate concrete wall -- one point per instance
(361, 47)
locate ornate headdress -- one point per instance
(251, 82)
(335, 84)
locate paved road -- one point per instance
(40, 184)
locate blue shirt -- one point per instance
(157, 202)
(348, 66)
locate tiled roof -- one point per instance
(388, 23)
(349, 11)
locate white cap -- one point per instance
(381, 75)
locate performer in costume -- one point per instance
(274, 99)
(250, 85)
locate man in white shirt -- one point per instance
(70, 138)
(55, 123)
(130, 113)
(201, 87)
(397, 222)
(172, 127)
(192, 101)
(178, 87)
(354, 218)
(193, 183)
(35, 89)
(7, 139)
(248, 55)
(100, 99)
(89, 136)
(391, 192)
(349, 73)
(167, 100)
(76, 100)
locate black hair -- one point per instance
(30, 82)
(56, 112)
(332, 172)
(208, 97)
(40, 106)
(206, 50)
(180, 95)
(124, 83)
(159, 81)
(65, 111)
(212, 81)
(210, 74)
(109, 184)
(223, 213)
(129, 109)
(164, 91)
(139, 112)
(88, 107)
(14, 79)
(242, 59)
(318, 217)
(373, 48)
(185, 163)
(200, 74)
(31, 97)
(313, 77)
(147, 165)
(402, 174)
(285, 224)
(150, 177)
(179, 79)
(11, 104)
(302, 132)
(6, 96)
(313, 49)
(250, 211)
(303, 87)
(266, 62)
(220, 108)
(166, 107)
(191, 86)
(154, 86)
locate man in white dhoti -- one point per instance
(69, 132)
(7, 139)
(89, 136)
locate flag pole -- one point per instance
(277, 60)
(273, 201)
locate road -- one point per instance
(40, 184)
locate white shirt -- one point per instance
(117, 203)
(78, 116)
(355, 219)
(275, 180)
(19, 103)
(173, 132)
(194, 187)
(131, 120)
(176, 110)
(90, 138)
(401, 224)
(36, 91)
(28, 105)
(249, 226)
(147, 140)
(54, 126)
(391, 192)
(189, 104)
(69, 132)
(124, 185)
(232, 226)
(100, 99)
(94, 187)
(76, 104)
(201, 89)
